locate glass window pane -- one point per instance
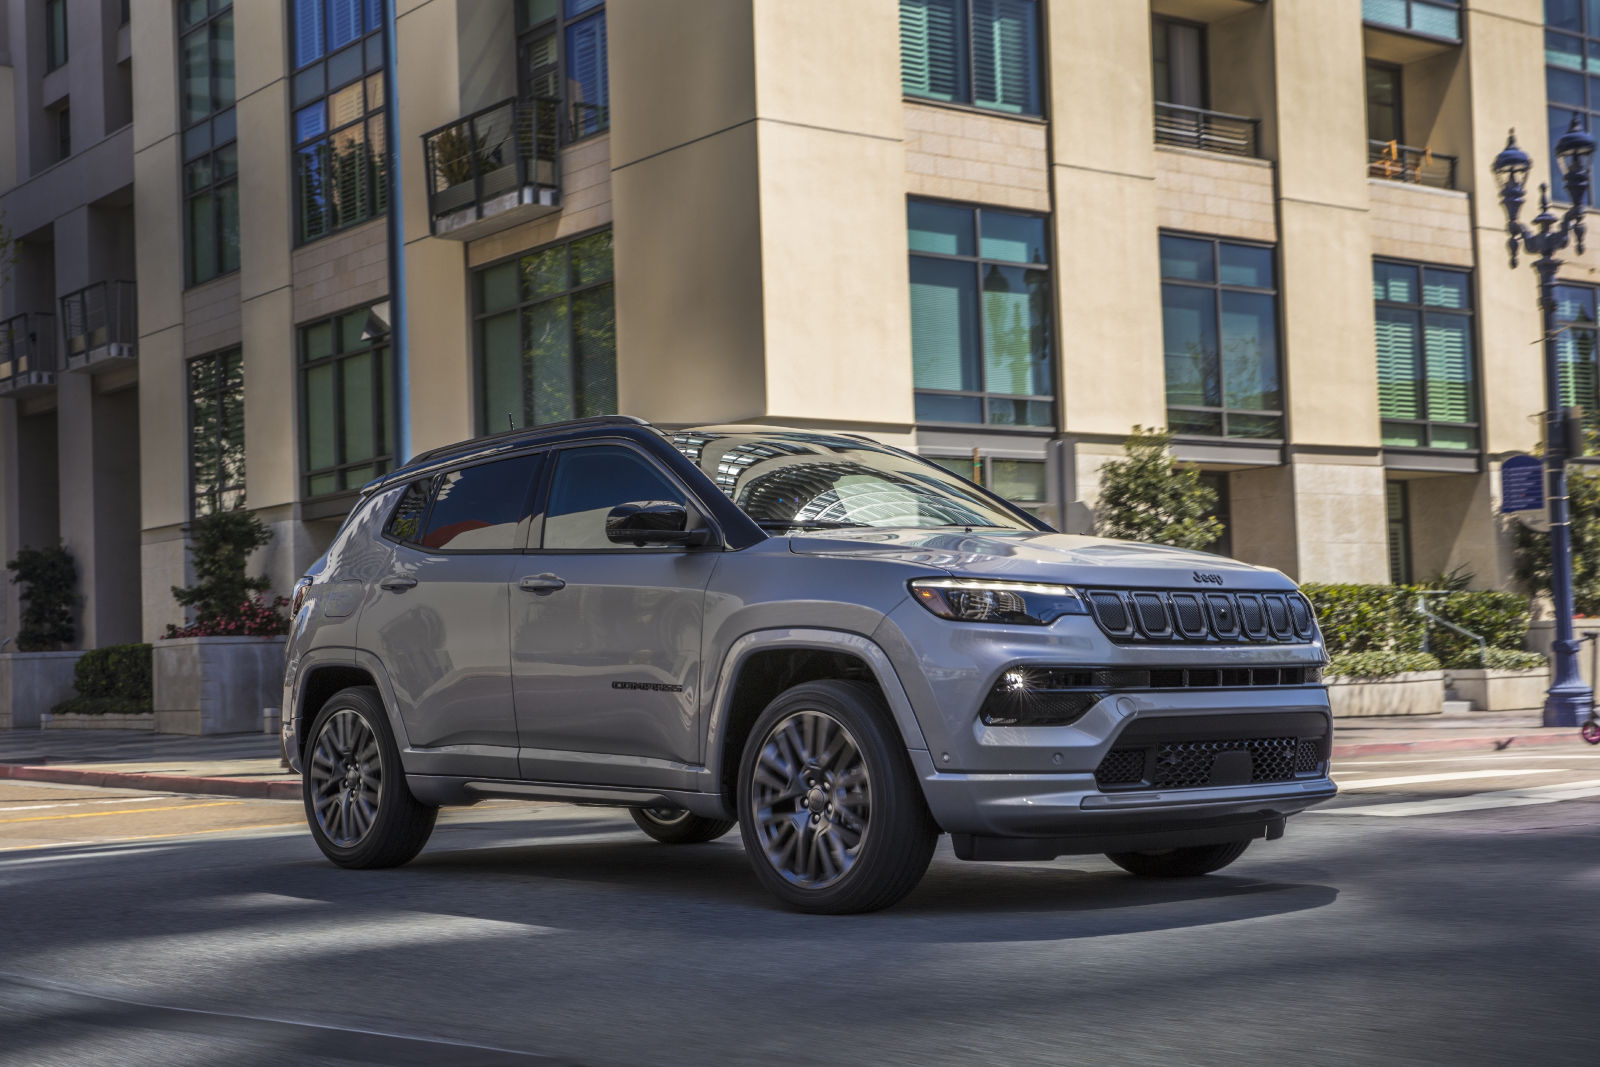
(321, 423)
(1014, 238)
(587, 90)
(346, 67)
(1399, 364)
(360, 432)
(588, 483)
(222, 33)
(352, 330)
(1186, 259)
(227, 227)
(1005, 55)
(202, 238)
(191, 12)
(531, 13)
(374, 85)
(1250, 352)
(1020, 412)
(544, 273)
(1575, 303)
(1575, 359)
(1383, 103)
(1194, 423)
(1394, 282)
(1244, 265)
(309, 84)
(932, 407)
(1455, 437)
(226, 161)
(1448, 341)
(547, 362)
(1189, 346)
(1438, 21)
(310, 121)
(497, 287)
(346, 105)
(1255, 427)
(1017, 479)
(318, 340)
(944, 330)
(594, 339)
(196, 60)
(1404, 435)
(1016, 335)
(197, 175)
(933, 49)
(202, 376)
(501, 344)
(1445, 289)
(1564, 86)
(939, 228)
(308, 40)
(1563, 15)
(591, 258)
(483, 508)
(344, 22)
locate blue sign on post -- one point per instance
(1521, 484)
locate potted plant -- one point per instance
(36, 667)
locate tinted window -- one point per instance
(486, 507)
(406, 521)
(589, 482)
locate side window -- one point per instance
(485, 508)
(406, 522)
(589, 482)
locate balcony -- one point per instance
(1207, 131)
(27, 355)
(101, 325)
(1396, 162)
(1439, 19)
(494, 169)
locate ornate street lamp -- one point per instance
(1569, 699)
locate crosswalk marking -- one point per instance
(1502, 798)
(1445, 776)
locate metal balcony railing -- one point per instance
(100, 321)
(492, 161)
(1208, 131)
(585, 119)
(27, 351)
(1402, 163)
(1435, 18)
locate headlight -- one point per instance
(979, 600)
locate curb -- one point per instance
(165, 783)
(1486, 742)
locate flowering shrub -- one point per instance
(254, 618)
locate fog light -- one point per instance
(1040, 696)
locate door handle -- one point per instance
(541, 584)
(397, 583)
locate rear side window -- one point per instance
(406, 522)
(486, 508)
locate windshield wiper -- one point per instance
(806, 524)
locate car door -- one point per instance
(439, 621)
(605, 638)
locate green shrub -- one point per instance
(48, 577)
(225, 599)
(1531, 549)
(1145, 496)
(1501, 619)
(1505, 659)
(1367, 618)
(1379, 664)
(115, 680)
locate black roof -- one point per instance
(506, 439)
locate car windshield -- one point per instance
(791, 480)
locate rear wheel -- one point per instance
(359, 809)
(829, 808)
(679, 826)
(1179, 862)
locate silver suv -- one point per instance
(842, 648)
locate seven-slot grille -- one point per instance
(1184, 616)
(1193, 764)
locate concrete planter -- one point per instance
(1501, 690)
(1541, 635)
(216, 685)
(100, 722)
(1412, 693)
(31, 683)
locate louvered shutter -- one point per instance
(1448, 340)
(943, 295)
(1576, 358)
(307, 31)
(586, 75)
(932, 49)
(344, 22)
(1398, 396)
(1005, 73)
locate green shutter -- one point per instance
(932, 49)
(1576, 357)
(1004, 47)
(1449, 356)
(943, 294)
(1398, 396)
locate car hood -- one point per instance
(1028, 555)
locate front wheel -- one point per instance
(1179, 862)
(679, 826)
(357, 803)
(829, 808)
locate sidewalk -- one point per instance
(246, 765)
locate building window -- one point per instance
(216, 432)
(1178, 58)
(979, 52)
(346, 402)
(1427, 389)
(63, 132)
(1572, 83)
(980, 316)
(1398, 502)
(211, 156)
(546, 331)
(1219, 317)
(1383, 104)
(55, 34)
(341, 167)
(1436, 18)
(1222, 511)
(561, 55)
(1021, 481)
(1575, 349)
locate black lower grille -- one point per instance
(1195, 764)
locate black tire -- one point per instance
(871, 796)
(1179, 862)
(678, 826)
(361, 824)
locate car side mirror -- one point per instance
(653, 522)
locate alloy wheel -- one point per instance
(346, 772)
(812, 799)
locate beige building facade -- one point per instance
(1002, 234)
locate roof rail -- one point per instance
(529, 432)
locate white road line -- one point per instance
(1446, 776)
(1504, 798)
(1362, 761)
(82, 803)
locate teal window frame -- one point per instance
(1430, 323)
(216, 432)
(941, 57)
(1577, 333)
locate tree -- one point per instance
(1531, 549)
(1147, 497)
(226, 600)
(48, 577)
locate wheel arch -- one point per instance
(321, 678)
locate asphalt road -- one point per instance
(1439, 912)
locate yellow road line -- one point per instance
(150, 837)
(135, 811)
